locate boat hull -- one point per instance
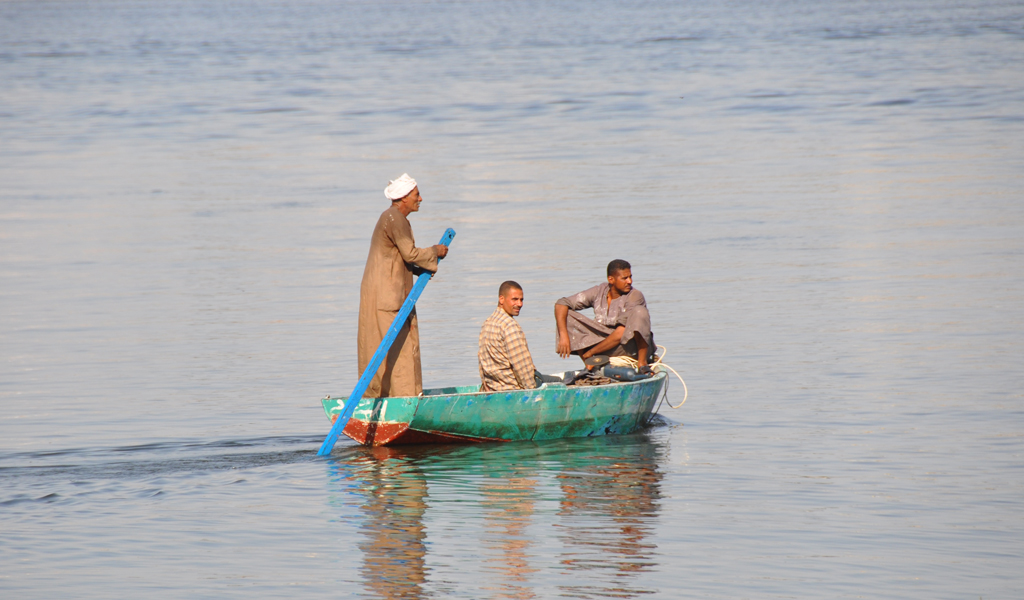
(465, 415)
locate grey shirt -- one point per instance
(629, 311)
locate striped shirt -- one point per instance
(505, 362)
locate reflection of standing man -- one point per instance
(387, 281)
(392, 492)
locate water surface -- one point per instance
(821, 202)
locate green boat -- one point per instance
(464, 414)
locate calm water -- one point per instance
(822, 203)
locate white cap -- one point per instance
(400, 188)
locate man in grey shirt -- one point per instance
(621, 325)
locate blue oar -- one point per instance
(378, 356)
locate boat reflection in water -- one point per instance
(609, 511)
(520, 520)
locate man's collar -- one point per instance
(501, 310)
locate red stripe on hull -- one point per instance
(398, 434)
(415, 436)
(372, 434)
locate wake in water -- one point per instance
(69, 470)
(142, 462)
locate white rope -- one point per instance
(657, 365)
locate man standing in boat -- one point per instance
(387, 281)
(621, 325)
(505, 361)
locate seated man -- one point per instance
(505, 361)
(621, 325)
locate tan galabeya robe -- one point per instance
(387, 281)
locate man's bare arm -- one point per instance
(561, 318)
(606, 344)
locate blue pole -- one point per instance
(378, 356)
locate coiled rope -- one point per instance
(657, 365)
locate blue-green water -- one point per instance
(821, 201)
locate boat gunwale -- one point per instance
(550, 386)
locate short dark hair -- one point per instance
(508, 285)
(617, 266)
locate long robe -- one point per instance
(387, 281)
